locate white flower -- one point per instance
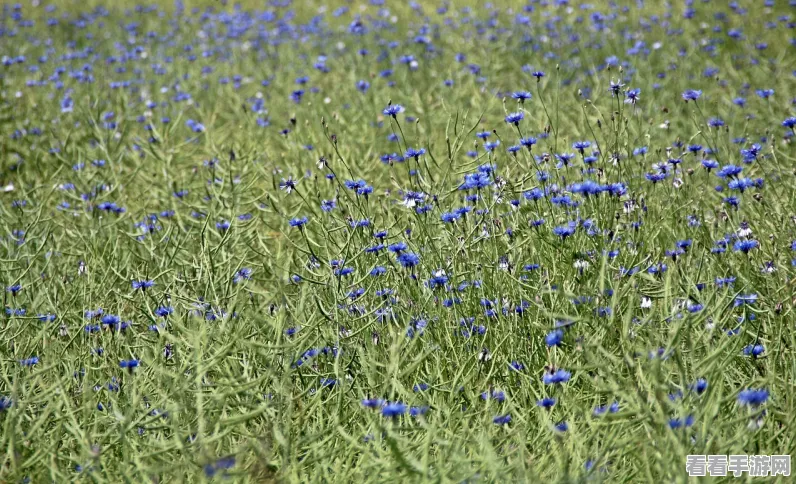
(646, 302)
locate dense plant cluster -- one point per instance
(542, 241)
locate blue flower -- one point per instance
(372, 402)
(164, 311)
(563, 231)
(521, 96)
(515, 118)
(414, 153)
(244, 274)
(298, 222)
(502, 419)
(676, 423)
(546, 402)
(449, 217)
(29, 361)
(408, 259)
(418, 411)
(143, 285)
(691, 95)
(328, 205)
(742, 299)
(699, 386)
(581, 145)
(754, 350)
(745, 245)
(753, 397)
(554, 338)
(558, 376)
(393, 409)
(392, 110)
(129, 364)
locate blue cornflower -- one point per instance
(558, 376)
(328, 205)
(129, 364)
(143, 285)
(491, 145)
(753, 397)
(521, 96)
(29, 361)
(515, 118)
(392, 110)
(754, 350)
(397, 247)
(742, 299)
(14, 289)
(615, 87)
(676, 423)
(110, 320)
(438, 280)
(475, 181)
(372, 402)
(420, 387)
(288, 184)
(699, 386)
(554, 337)
(691, 95)
(408, 259)
(393, 409)
(502, 419)
(581, 146)
(546, 402)
(415, 153)
(745, 245)
(729, 171)
(564, 231)
(164, 311)
(244, 274)
(449, 217)
(298, 222)
(764, 93)
(418, 411)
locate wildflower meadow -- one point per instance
(396, 241)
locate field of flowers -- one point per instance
(376, 240)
